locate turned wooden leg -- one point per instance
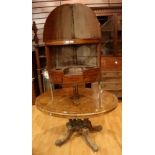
(66, 136)
(88, 140)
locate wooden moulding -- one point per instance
(72, 42)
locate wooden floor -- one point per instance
(47, 129)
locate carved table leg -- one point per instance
(92, 128)
(65, 137)
(82, 127)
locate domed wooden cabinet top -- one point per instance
(72, 40)
(71, 22)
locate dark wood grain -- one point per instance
(71, 21)
(41, 9)
(111, 63)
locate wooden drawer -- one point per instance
(112, 79)
(72, 79)
(112, 86)
(111, 63)
(111, 74)
(91, 75)
(56, 77)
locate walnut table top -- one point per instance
(62, 106)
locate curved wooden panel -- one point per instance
(71, 21)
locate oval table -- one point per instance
(60, 103)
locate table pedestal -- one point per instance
(82, 127)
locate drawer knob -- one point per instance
(116, 62)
